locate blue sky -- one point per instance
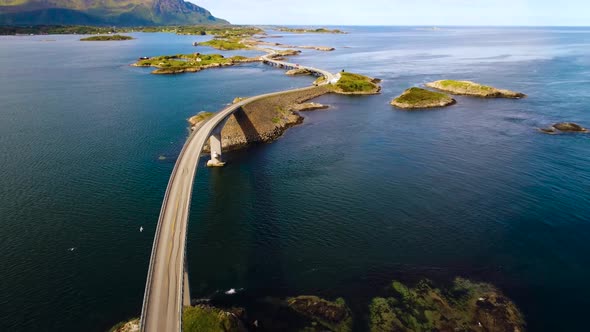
(402, 12)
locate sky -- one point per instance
(402, 12)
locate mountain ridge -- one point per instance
(104, 12)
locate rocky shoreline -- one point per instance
(462, 305)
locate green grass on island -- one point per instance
(180, 63)
(350, 83)
(421, 98)
(107, 38)
(225, 44)
(209, 319)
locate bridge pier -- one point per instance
(215, 147)
(186, 292)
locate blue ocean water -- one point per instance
(354, 197)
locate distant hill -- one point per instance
(104, 12)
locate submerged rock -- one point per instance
(466, 306)
(335, 316)
(567, 127)
(473, 89)
(416, 98)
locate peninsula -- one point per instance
(469, 88)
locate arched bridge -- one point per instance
(167, 288)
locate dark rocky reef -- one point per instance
(334, 316)
(465, 306)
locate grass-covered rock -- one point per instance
(354, 84)
(416, 98)
(334, 316)
(131, 325)
(473, 89)
(203, 318)
(465, 306)
(107, 38)
(200, 117)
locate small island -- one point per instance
(353, 84)
(469, 88)
(416, 98)
(564, 127)
(225, 44)
(318, 30)
(183, 63)
(107, 38)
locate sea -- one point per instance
(339, 206)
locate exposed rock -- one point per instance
(466, 306)
(298, 71)
(129, 326)
(335, 316)
(473, 89)
(567, 127)
(308, 107)
(318, 48)
(416, 98)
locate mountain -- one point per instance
(104, 12)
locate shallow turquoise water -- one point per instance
(354, 197)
